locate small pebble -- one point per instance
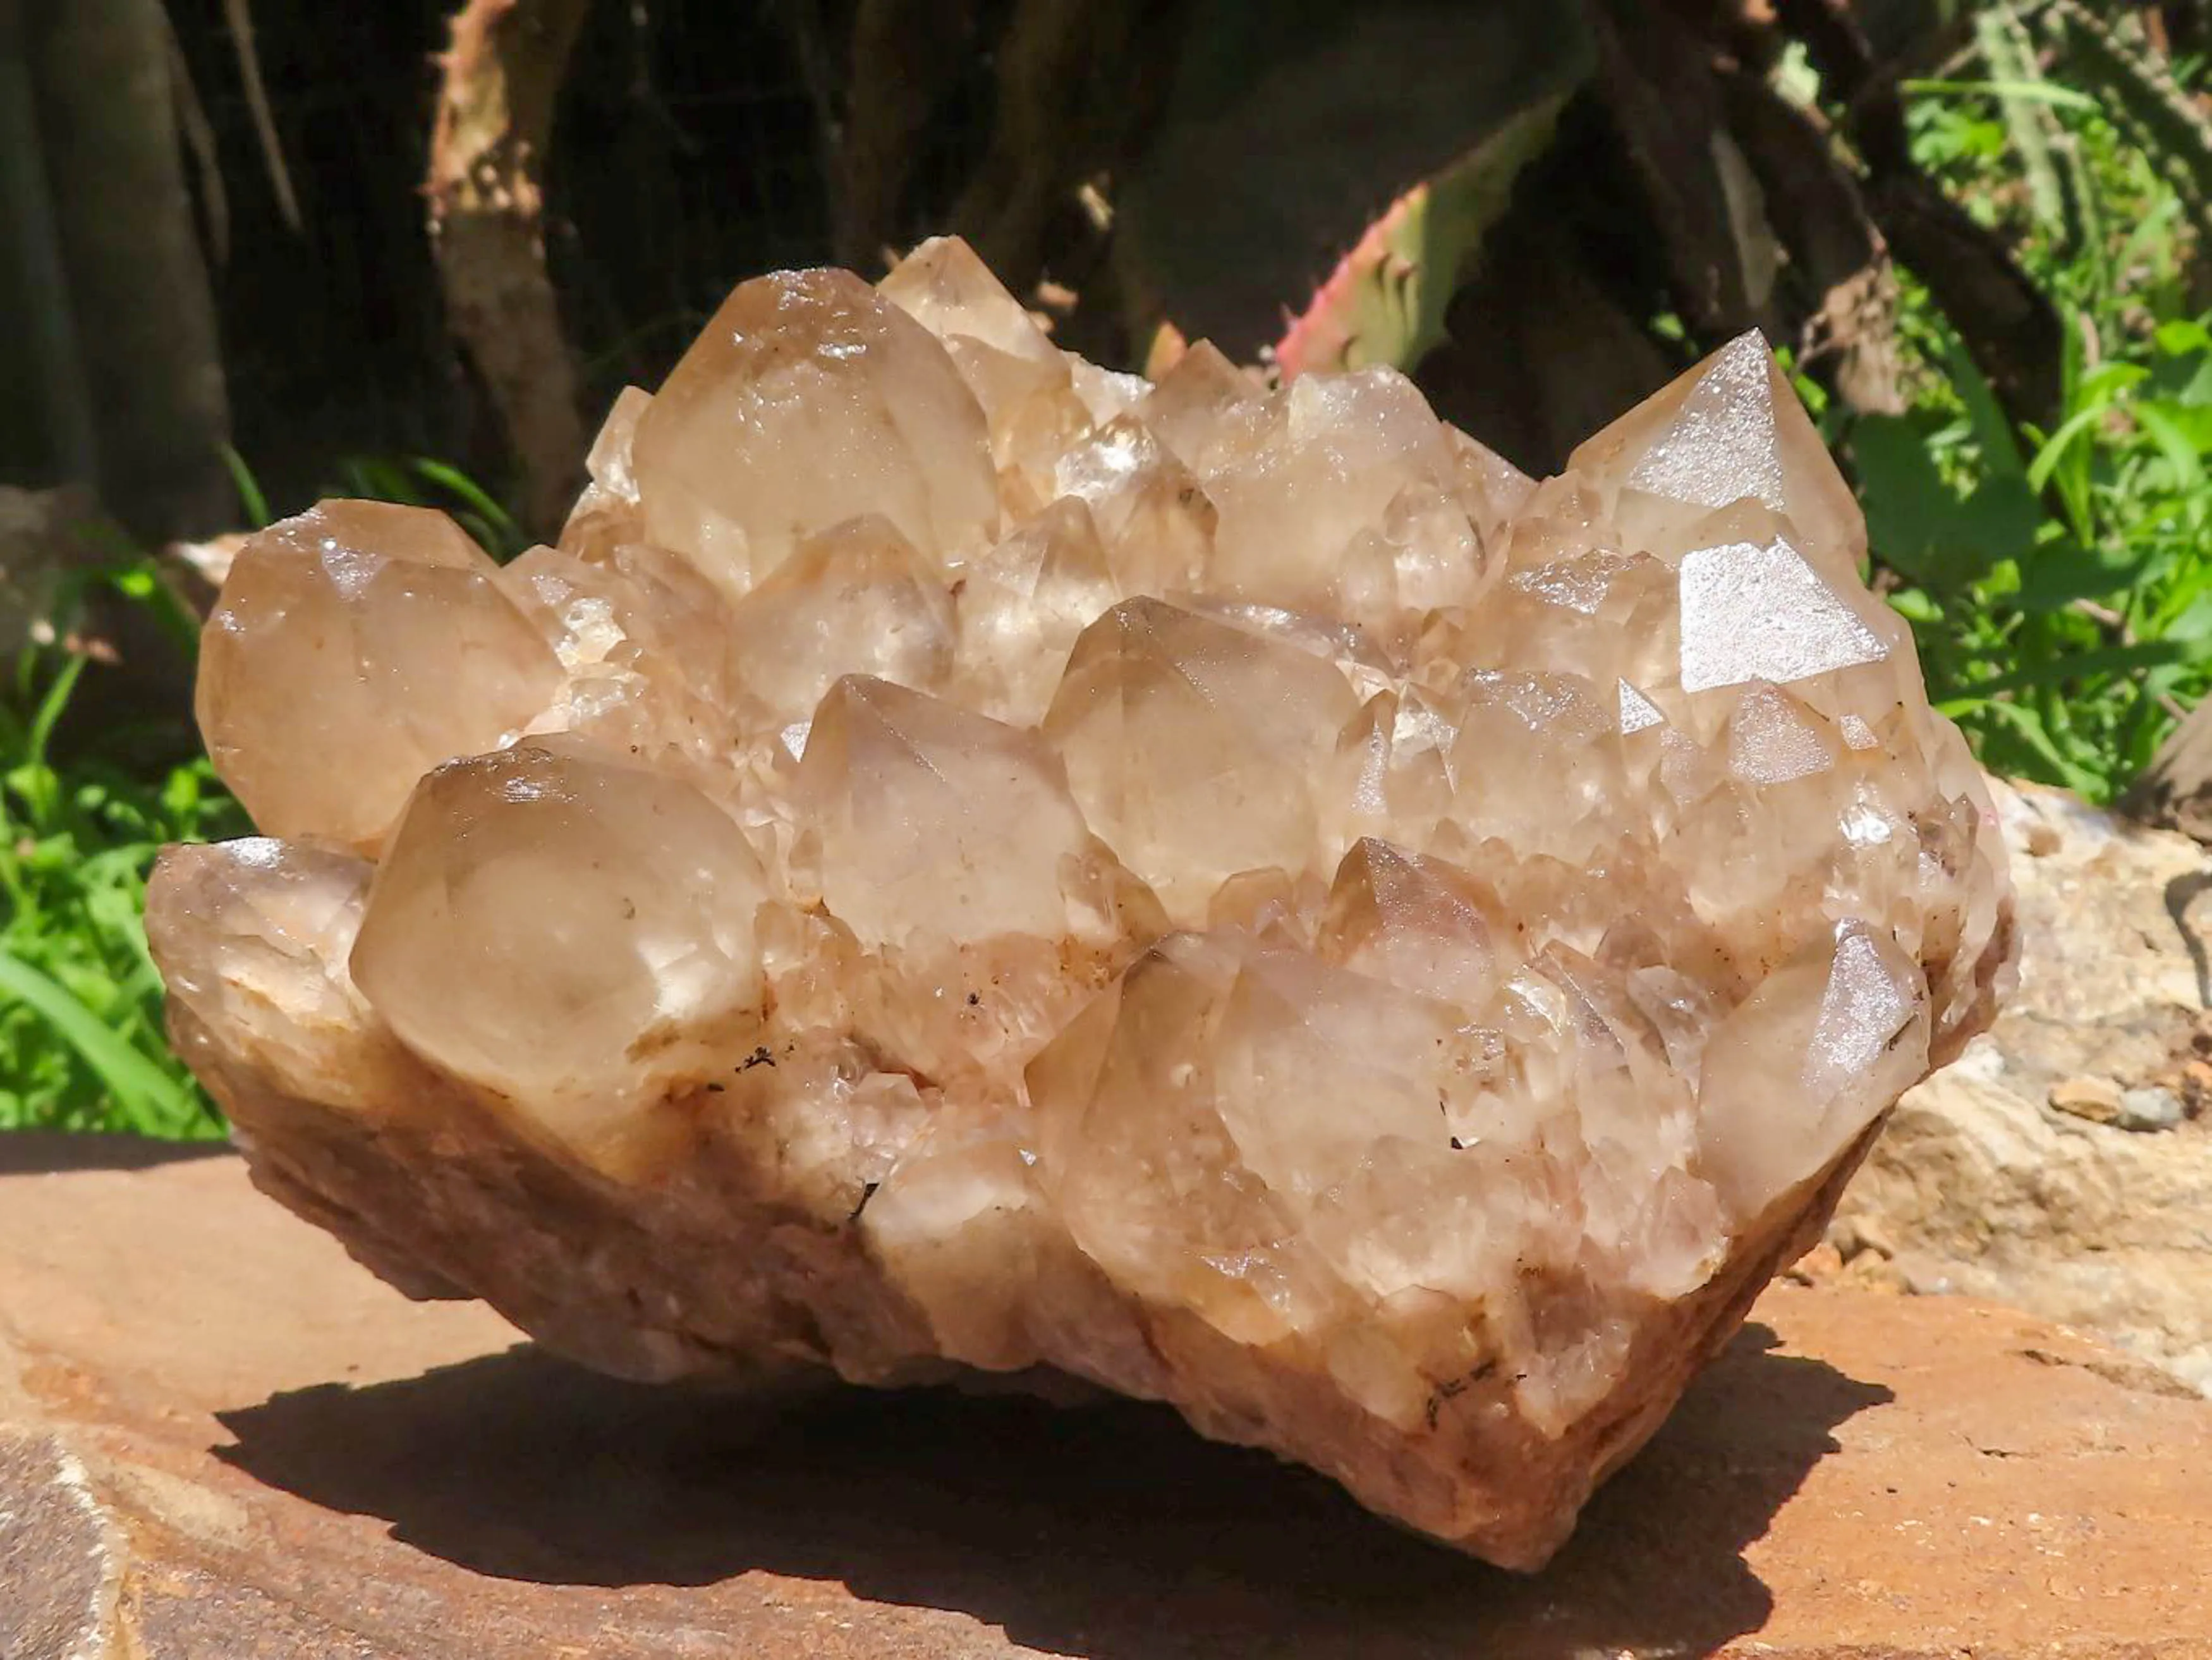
(2101, 1101)
(2097, 1099)
(2151, 1107)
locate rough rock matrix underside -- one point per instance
(960, 860)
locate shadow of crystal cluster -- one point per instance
(961, 862)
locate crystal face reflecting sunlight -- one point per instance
(1235, 894)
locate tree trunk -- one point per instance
(903, 55)
(2008, 325)
(500, 80)
(45, 427)
(125, 367)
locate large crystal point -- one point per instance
(809, 399)
(1728, 431)
(934, 820)
(569, 932)
(961, 860)
(353, 648)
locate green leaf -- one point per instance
(1922, 527)
(2192, 625)
(2053, 577)
(2026, 92)
(2180, 336)
(1915, 605)
(149, 1097)
(2081, 666)
(1991, 427)
(2176, 443)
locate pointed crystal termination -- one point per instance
(353, 648)
(1728, 431)
(809, 400)
(960, 859)
(572, 932)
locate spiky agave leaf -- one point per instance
(1385, 301)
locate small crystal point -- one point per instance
(1299, 478)
(943, 286)
(856, 598)
(418, 536)
(960, 859)
(1024, 603)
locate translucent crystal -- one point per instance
(1762, 613)
(572, 934)
(960, 858)
(353, 648)
(808, 400)
(1297, 478)
(260, 991)
(608, 513)
(645, 646)
(1728, 431)
(935, 820)
(942, 286)
(856, 600)
(1193, 746)
(1022, 604)
(1419, 923)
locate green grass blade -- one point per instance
(449, 477)
(42, 791)
(2055, 447)
(250, 500)
(2026, 92)
(148, 1098)
(51, 707)
(2030, 731)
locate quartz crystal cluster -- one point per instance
(961, 861)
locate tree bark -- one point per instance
(902, 55)
(46, 428)
(2009, 327)
(129, 369)
(500, 83)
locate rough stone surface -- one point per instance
(288, 1459)
(59, 1565)
(963, 861)
(2063, 1164)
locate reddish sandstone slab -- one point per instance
(293, 1460)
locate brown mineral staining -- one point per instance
(960, 859)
